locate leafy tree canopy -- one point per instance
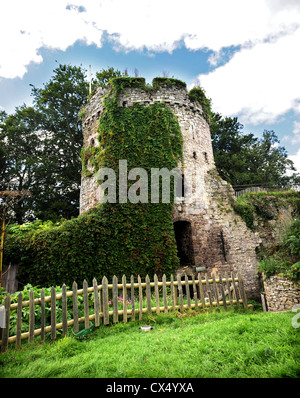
(41, 145)
(243, 159)
(105, 75)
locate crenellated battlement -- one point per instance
(171, 92)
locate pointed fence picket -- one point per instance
(112, 302)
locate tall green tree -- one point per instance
(230, 147)
(105, 75)
(272, 161)
(60, 101)
(243, 159)
(2, 165)
(21, 154)
(3, 155)
(40, 147)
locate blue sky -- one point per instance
(245, 54)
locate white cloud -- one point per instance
(259, 83)
(296, 129)
(295, 137)
(27, 26)
(296, 160)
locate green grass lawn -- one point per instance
(228, 344)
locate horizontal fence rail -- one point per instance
(110, 303)
(242, 190)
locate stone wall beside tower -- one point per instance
(210, 236)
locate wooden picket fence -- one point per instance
(135, 299)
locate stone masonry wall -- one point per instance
(89, 191)
(195, 130)
(220, 238)
(281, 294)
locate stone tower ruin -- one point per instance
(210, 236)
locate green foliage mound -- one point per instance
(261, 206)
(284, 258)
(198, 94)
(113, 238)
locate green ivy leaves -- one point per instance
(112, 238)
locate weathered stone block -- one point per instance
(281, 294)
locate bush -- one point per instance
(108, 240)
(245, 210)
(198, 94)
(255, 207)
(37, 309)
(284, 257)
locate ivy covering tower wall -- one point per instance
(111, 238)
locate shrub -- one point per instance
(261, 206)
(245, 210)
(198, 94)
(284, 257)
(37, 310)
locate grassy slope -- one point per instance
(209, 345)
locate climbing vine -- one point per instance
(146, 137)
(198, 94)
(112, 238)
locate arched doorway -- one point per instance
(183, 235)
